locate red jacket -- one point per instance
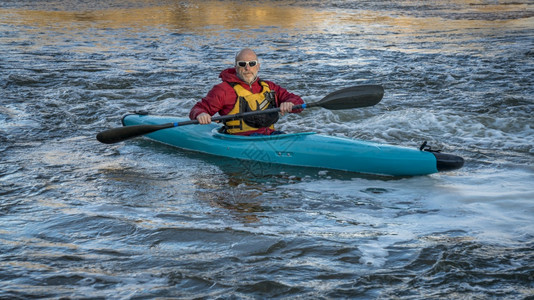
(222, 97)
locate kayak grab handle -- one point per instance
(444, 162)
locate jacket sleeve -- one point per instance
(213, 103)
(284, 96)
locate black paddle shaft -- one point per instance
(347, 98)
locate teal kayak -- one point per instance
(306, 149)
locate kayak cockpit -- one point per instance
(224, 136)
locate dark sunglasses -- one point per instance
(243, 64)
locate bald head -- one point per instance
(246, 54)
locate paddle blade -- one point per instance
(352, 97)
(120, 134)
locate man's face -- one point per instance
(247, 73)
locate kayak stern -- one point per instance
(448, 162)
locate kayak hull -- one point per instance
(306, 149)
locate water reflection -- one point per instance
(201, 17)
(215, 18)
(242, 204)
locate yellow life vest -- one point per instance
(247, 101)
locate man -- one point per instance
(242, 91)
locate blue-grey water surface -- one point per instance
(138, 219)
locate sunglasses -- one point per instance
(243, 64)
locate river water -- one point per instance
(142, 220)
